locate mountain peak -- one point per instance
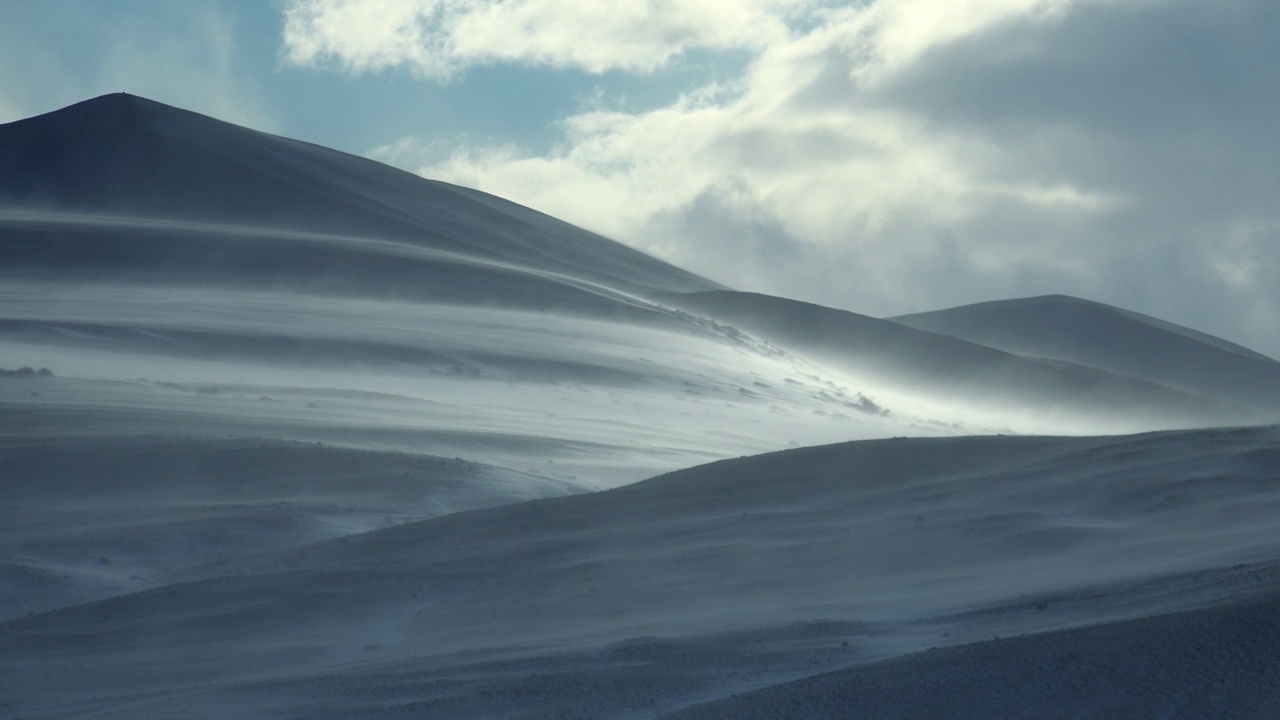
(116, 101)
(130, 157)
(123, 102)
(116, 153)
(113, 111)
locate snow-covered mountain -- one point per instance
(987, 376)
(321, 438)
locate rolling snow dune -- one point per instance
(114, 514)
(699, 584)
(1101, 336)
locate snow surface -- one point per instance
(703, 583)
(324, 439)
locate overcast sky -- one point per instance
(883, 156)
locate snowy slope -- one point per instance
(695, 585)
(111, 514)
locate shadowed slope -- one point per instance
(137, 160)
(950, 368)
(111, 514)
(1214, 663)
(1101, 336)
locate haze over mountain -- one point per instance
(321, 438)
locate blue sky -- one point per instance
(885, 156)
(223, 58)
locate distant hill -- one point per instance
(950, 368)
(1090, 333)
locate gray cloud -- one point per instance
(1168, 107)
(886, 161)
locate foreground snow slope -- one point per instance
(114, 513)
(1210, 663)
(690, 586)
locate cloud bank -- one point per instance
(902, 155)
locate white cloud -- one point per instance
(438, 38)
(796, 143)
